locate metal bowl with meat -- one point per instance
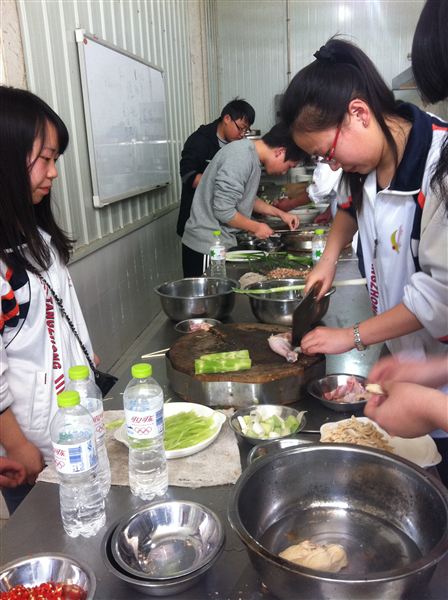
(341, 392)
(389, 517)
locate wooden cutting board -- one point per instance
(267, 366)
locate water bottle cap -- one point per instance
(217, 232)
(141, 370)
(319, 231)
(68, 398)
(78, 372)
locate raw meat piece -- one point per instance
(281, 344)
(352, 391)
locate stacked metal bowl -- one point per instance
(164, 548)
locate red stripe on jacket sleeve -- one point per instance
(347, 204)
(421, 198)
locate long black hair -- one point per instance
(318, 96)
(23, 118)
(430, 67)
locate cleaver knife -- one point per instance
(302, 317)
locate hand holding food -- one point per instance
(433, 372)
(409, 410)
(291, 220)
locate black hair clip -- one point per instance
(325, 54)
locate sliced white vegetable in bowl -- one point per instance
(267, 422)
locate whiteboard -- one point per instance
(125, 112)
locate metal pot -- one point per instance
(278, 307)
(390, 516)
(299, 240)
(246, 241)
(271, 244)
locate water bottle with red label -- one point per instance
(143, 409)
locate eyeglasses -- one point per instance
(328, 158)
(243, 129)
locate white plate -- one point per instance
(421, 450)
(237, 255)
(173, 408)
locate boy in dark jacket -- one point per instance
(202, 145)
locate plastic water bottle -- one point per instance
(318, 245)
(74, 449)
(143, 408)
(218, 257)
(92, 400)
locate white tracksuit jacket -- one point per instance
(35, 355)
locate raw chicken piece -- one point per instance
(281, 344)
(322, 557)
(200, 327)
(352, 391)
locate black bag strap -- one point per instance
(67, 318)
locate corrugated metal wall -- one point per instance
(252, 41)
(125, 249)
(157, 32)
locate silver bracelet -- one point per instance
(357, 337)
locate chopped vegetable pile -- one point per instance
(187, 429)
(45, 591)
(259, 425)
(223, 362)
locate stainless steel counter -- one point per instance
(36, 525)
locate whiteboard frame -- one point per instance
(80, 36)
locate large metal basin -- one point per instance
(278, 307)
(389, 515)
(192, 297)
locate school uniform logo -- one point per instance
(395, 239)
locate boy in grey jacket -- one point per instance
(227, 195)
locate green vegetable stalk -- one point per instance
(223, 362)
(187, 429)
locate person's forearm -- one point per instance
(241, 222)
(341, 233)
(11, 435)
(438, 371)
(263, 208)
(391, 324)
(437, 407)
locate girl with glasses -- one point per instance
(340, 109)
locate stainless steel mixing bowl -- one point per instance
(151, 587)
(278, 307)
(33, 570)
(390, 516)
(268, 410)
(329, 383)
(273, 446)
(166, 540)
(197, 297)
(188, 326)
